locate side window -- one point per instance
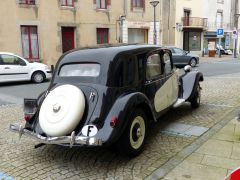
(172, 50)
(126, 73)
(154, 68)
(167, 63)
(179, 51)
(20, 61)
(9, 59)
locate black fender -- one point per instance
(121, 109)
(190, 82)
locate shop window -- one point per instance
(30, 46)
(67, 3)
(137, 3)
(29, 2)
(102, 35)
(192, 41)
(102, 4)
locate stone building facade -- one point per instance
(42, 30)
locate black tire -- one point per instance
(193, 62)
(132, 141)
(196, 99)
(38, 77)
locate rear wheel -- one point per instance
(38, 77)
(132, 141)
(196, 99)
(193, 62)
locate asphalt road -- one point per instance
(13, 93)
(215, 68)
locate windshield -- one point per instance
(81, 70)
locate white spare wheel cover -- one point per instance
(62, 110)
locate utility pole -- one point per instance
(154, 4)
(236, 15)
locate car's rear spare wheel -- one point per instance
(62, 110)
(132, 141)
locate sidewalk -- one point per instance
(216, 58)
(213, 160)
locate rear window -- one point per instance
(81, 70)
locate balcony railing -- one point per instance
(194, 22)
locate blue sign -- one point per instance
(220, 32)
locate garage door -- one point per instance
(137, 35)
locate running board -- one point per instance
(179, 103)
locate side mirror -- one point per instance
(187, 68)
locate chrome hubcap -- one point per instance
(38, 77)
(137, 132)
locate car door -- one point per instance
(171, 79)
(155, 80)
(179, 56)
(12, 68)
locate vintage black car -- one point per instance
(108, 96)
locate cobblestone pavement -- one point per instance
(20, 160)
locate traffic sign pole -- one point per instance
(219, 49)
(220, 34)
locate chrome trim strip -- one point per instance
(71, 140)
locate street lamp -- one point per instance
(154, 4)
(236, 40)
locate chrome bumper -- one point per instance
(66, 140)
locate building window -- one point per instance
(219, 18)
(68, 38)
(102, 35)
(137, 3)
(220, 1)
(67, 3)
(30, 46)
(102, 4)
(30, 2)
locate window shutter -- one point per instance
(94, 2)
(143, 3)
(108, 2)
(131, 5)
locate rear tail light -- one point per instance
(27, 118)
(30, 108)
(114, 121)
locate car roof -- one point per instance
(98, 54)
(105, 56)
(7, 53)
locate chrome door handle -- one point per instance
(7, 68)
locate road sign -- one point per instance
(234, 34)
(220, 32)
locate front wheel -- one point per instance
(196, 99)
(132, 141)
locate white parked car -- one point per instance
(16, 68)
